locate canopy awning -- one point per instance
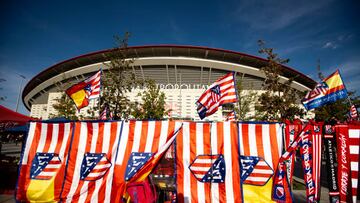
(10, 118)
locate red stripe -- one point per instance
(220, 149)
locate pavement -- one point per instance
(299, 196)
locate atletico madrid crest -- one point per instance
(94, 166)
(255, 170)
(135, 162)
(44, 166)
(209, 168)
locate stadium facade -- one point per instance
(182, 73)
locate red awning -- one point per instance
(10, 118)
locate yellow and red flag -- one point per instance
(88, 89)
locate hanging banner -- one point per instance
(330, 150)
(43, 162)
(292, 129)
(354, 147)
(316, 133)
(343, 162)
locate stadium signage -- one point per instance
(182, 86)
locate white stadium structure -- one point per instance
(182, 73)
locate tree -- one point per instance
(279, 101)
(64, 107)
(119, 80)
(152, 105)
(246, 99)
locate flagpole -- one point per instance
(100, 92)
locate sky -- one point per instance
(35, 35)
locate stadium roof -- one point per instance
(163, 51)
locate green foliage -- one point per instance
(119, 80)
(65, 108)
(152, 105)
(279, 101)
(246, 100)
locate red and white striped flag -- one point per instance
(91, 161)
(230, 116)
(353, 112)
(43, 161)
(354, 147)
(95, 84)
(207, 163)
(139, 141)
(220, 92)
(260, 141)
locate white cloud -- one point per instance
(330, 45)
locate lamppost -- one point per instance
(18, 98)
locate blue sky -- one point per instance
(37, 34)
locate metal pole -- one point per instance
(18, 98)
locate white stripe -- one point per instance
(95, 134)
(123, 142)
(54, 138)
(267, 145)
(214, 143)
(79, 157)
(205, 161)
(106, 137)
(228, 163)
(354, 182)
(29, 143)
(262, 171)
(101, 166)
(199, 151)
(150, 136)
(163, 133)
(186, 161)
(43, 173)
(354, 166)
(354, 133)
(42, 139)
(94, 175)
(257, 179)
(241, 140)
(354, 149)
(279, 136)
(252, 140)
(53, 166)
(137, 136)
(199, 168)
(110, 176)
(67, 131)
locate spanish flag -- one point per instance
(328, 91)
(43, 162)
(82, 92)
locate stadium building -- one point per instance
(182, 73)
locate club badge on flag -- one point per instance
(209, 168)
(220, 92)
(255, 170)
(94, 166)
(328, 91)
(45, 166)
(135, 162)
(83, 91)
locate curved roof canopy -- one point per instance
(163, 51)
